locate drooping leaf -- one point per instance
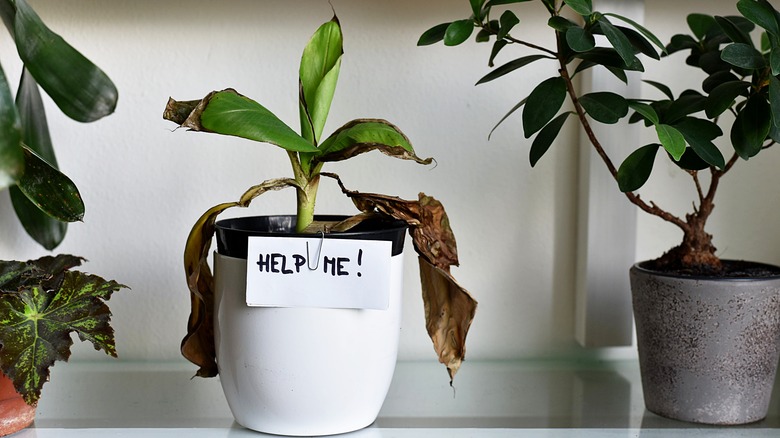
(50, 190)
(643, 30)
(609, 57)
(760, 13)
(517, 106)
(318, 75)
(229, 113)
(79, 88)
(751, 127)
(699, 135)
(507, 21)
(11, 155)
(433, 35)
(619, 41)
(722, 97)
(543, 103)
(663, 88)
(672, 140)
(700, 24)
(580, 39)
(492, 3)
(39, 316)
(582, 7)
(743, 56)
(365, 135)
(546, 137)
(636, 168)
(733, 30)
(510, 67)
(604, 106)
(639, 42)
(497, 46)
(458, 32)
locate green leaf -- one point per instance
(458, 32)
(546, 137)
(543, 103)
(645, 110)
(476, 8)
(582, 7)
(39, 317)
(510, 67)
(700, 24)
(50, 190)
(672, 140)
(507, 21)
(433, 35)
(722, 97)
(640, 43)
(733, 31)
(509, 113)
(643, 30)
(492, 3)
(79, 88)
(11, 156)
(318, 75)
(690, 160)
(579, 39)
(716, 79)
(619, 41)
(688, 103)
(699, 134)
(743, 56)
(44, 229)
(751, 127)
(760, 13)
(661, 87)
(605, 107)
(497, 46)
(609, 57)
(774, 54)
(636, 168)
(229, 113)
(774, 100)
(561, 24)
(365, 135)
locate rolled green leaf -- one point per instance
(318, 74)
(364, 135)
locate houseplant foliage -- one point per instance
(41, 303)
(739, 97)
(44, 198)
(449, 308)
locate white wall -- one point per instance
(144, 185)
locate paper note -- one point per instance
(317, 272)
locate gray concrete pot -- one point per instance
(708, 347)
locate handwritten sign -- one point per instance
(317, 272)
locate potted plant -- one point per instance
(708, 329)
(42, 301)
(304, 366)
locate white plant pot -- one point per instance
(303, 371)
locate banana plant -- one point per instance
(449, 308)
(44, 198)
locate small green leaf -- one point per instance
(751, 127)
(722, 97)
(605, 107)
(318, 74)
(699, 135)
(510, 67)
(636, 168)
(619, 41)
(672, 140)
(643, 30)
(700, 24)
(507, 21)
(50, 190)
(760, 13)
(690, 102)
(645, 110)
(546, 137)
(663, 88)
(365, 135)
(433, 35)
(579, 39)
(774, 100)
(743, 56)
(458, 32)
(497, 46)
(733, 31)
(543, 103)
(561, 24)
(582, 7)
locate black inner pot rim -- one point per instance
(770, 272)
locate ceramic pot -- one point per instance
(15, 414)
(302, 371)
(708, 347)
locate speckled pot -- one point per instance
(708, 348)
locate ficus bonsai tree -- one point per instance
(449, 308)
(41, 303)
(740, 95)
(44, 199)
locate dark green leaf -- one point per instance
(774, 100)
(509, 113)
(458, 32)
(636, 168)
(712, 63)
(619, 41)
(681, 42)
(733, 31)
(79, 88)
(608, 57)
(582, 7)
(433, 35)
(605, 107)
(365, 135)
(483, 36)
(717, 78)
(684, 105)
(699, 135)
(700, 24)
(51, 191)
(672, 140)
(497, 46)
(619, 73)
(639, 42)
(743, 56)
(318, 74)
(661, 87)
(760, 13)
(476, 8)
(492, 3)
(11, 156)
(722, 97)
(643, 30)
(546, 137)
(580, 39)
(507, 21)
(691, 161)
(561, 24)
(774, 54)
(543, 103)
(751, 127)
(645, 110)
(44, 229)
(510, 67)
